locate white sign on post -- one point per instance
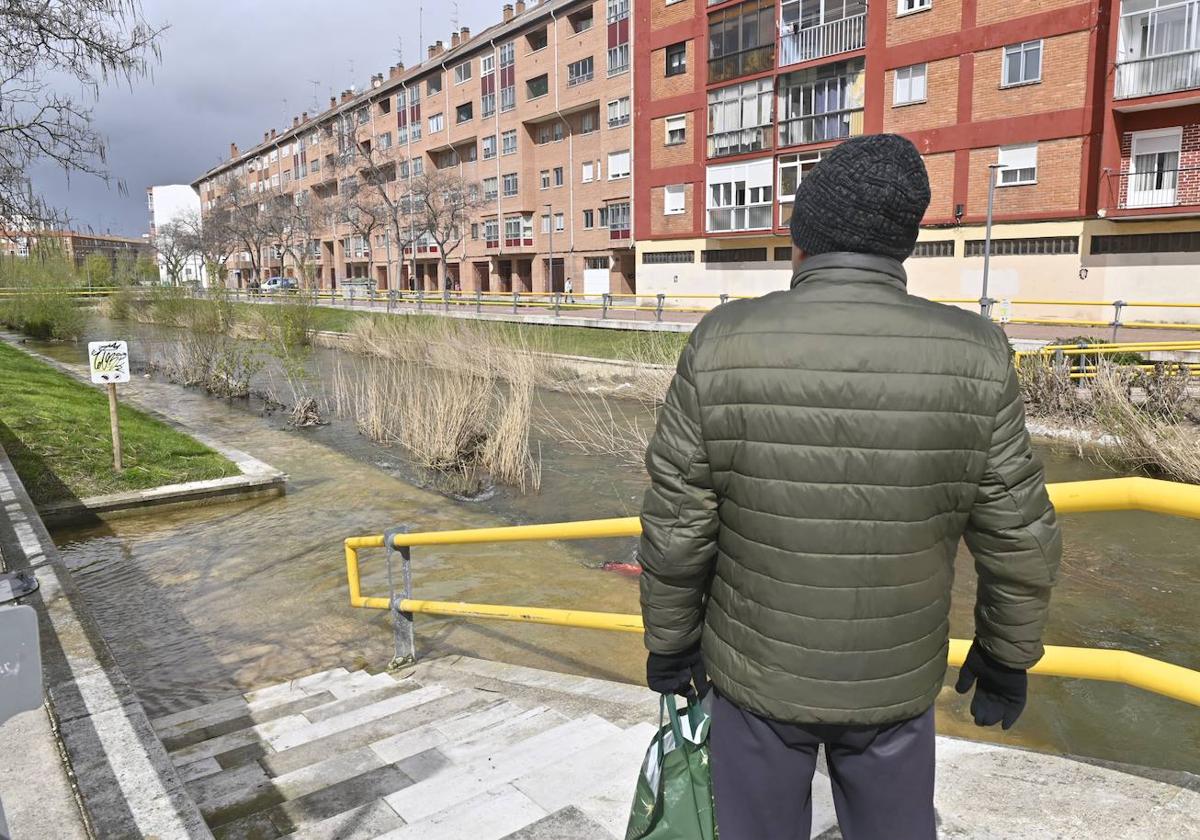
(109, 361)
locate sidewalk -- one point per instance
(37, 795)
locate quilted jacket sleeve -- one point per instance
(679, 520)
(1015, 540)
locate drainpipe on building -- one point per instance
(499, 151)
(570, 179)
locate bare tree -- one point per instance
(376, 170)
(299, 223)
(43, 45)
(362, 210)
(443, 203)
(250, 229)
(175, 246)
(211, 238)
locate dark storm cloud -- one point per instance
(227, 68)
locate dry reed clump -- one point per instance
(206, 355)
(1048, 389)
(1147, 412)
(456, 397)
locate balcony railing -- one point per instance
(740, 141)
(741, 63)
(819, 128)
(1159, 74)
(1159, 188)
(838, 36)
(746, 217)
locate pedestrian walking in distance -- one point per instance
(570, 289)
(820, 454)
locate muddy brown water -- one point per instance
(200, 603)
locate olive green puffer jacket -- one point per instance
(820, 453)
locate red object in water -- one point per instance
(630, 569)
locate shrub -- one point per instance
(37, 296)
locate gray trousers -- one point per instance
(762, 774)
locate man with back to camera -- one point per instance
(819, 455)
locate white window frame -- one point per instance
(1159, 141)
(484, 144)
(619, 164)
(621, 108)
(1021, 157)
(459, 78)
(587, 172)
(437, 122)
(678, 122)
(674, 200)
(1022, 48)
(505, 136)
(910, 7)
(560, 222)
(904, 79)
(753, 181)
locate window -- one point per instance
(734, 255)
(587, 122)
(491, 233)
(909, 85)
(603, 217)
(596, 263)
(618, 112)
(677, 59)
(939, 248)
(1019, 165)
(558, 176)
(824, 103)
(384, 141)
(436, 123)
(667, 257)
(545, 174)
(1024, 246)
(518, 230)
(792, 170)
(508, 79)
(588, 173)
(551, 132)
(739, 118)
(589, 219)
(487, 85)
(674, 200)
(463, 113)
(461, 74)
(581, 21)
(363, 116)
(385, 107)
(537, 39)
(537, 86)
(474, 230)
(489, 146)
(904, 7)
(468, 153)
(489, 187)
(508, 142)
(560, 222)
(618, 36)
(433, 85)
(546, 223)
(510, 184)
(740, 196)
(618, 220)
(1153, 176)
(1147, 243)
(418, 167)
(1022, 64)
(676, 130)
(618, 165)
(579, 72)
(741, 40)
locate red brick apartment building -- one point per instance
(1090, 110)
(536, 110)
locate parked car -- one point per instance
(275, 285)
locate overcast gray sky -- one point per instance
(227, 68)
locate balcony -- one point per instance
(798, 45)
(1161, 189)
(739, 141)
(741, 63)
(1158, 74)
(821, 128)
(739, 218)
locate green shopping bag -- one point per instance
(674, 800)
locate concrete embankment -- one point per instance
(99, 748)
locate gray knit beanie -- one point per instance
(867, 196)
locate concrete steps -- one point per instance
(454, 748)
(463, 748)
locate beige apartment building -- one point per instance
(536, 110)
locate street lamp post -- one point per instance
(550, 230)
(985, 303)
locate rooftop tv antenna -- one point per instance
(316, 104)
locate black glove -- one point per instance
(1000, 695)
(674, 673)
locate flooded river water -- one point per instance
(200, 603)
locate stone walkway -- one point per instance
(463, 748)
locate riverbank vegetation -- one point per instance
(55, 430)
(1147, 413)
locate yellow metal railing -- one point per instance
(1112, 494)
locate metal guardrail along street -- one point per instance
(1114, 494)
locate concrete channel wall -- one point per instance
(123, 779)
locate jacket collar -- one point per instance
(847, 267)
